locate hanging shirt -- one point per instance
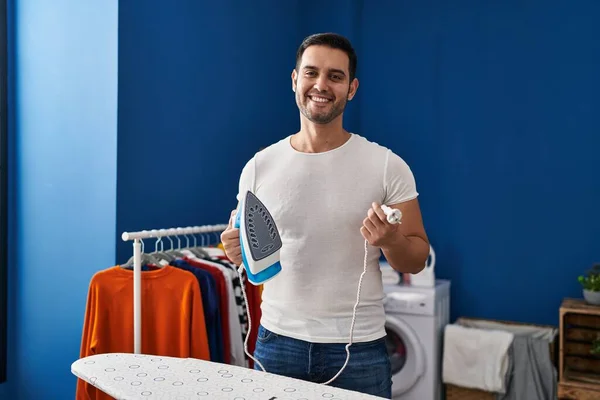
(253, 294)
(173, 321)
(236, 336)
(252, 310)
(212, 315)
(237, 287)
(223, 296)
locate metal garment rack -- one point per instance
(137, 238)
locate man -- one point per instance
(324, 187)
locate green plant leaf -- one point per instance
(591, 280)
(595, 347)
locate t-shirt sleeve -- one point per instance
(399, 181)
(247, 178)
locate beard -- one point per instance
(320, 115)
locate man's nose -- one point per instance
(321, 83)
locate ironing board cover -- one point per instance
(134, 376)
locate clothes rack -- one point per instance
(137, 238)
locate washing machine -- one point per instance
(415, 321)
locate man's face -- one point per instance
(322, 84)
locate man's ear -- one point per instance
(294, 77)
(353, 88)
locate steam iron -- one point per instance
(259, 240)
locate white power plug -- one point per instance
(394, 216)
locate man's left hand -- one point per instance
(376, 229)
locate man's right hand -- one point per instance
(231, 241)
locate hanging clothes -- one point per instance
(173, 322)
(212, 316)
(236, 315)
(236, 337)
(192, 306)
(216, 260)
(254, 301)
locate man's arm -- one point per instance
(404, 245)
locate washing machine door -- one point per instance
(406, 353)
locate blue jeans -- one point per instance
(368, 370)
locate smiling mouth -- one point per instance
(320, 99)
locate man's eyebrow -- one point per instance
(339, 71)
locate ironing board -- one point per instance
(148, 377)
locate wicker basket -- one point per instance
(460, 393)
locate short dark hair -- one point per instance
(333, 40)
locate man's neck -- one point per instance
(316, 138)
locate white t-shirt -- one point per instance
(318, 202)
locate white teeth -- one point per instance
(319, 99)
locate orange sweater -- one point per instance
(172, 317)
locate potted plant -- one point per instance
(591, 285)
(596, 346)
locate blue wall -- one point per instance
(65, 136)
(195, 106)
(495, 106)
(347, 21)
(202, 86)
(489, 103)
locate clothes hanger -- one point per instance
(187, 250)
(213, 251)
(145, 259)
(175, 252)
(193, 250)
(162, 255)
(200, 252)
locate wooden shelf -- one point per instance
(579, 369)
(579, 306)
(581, 377)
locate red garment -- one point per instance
(254, 300)
(252, 292)
(223, 304)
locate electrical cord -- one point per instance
(240, 270)
(353, 317)
(393, 217)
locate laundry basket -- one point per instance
(461, 393)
